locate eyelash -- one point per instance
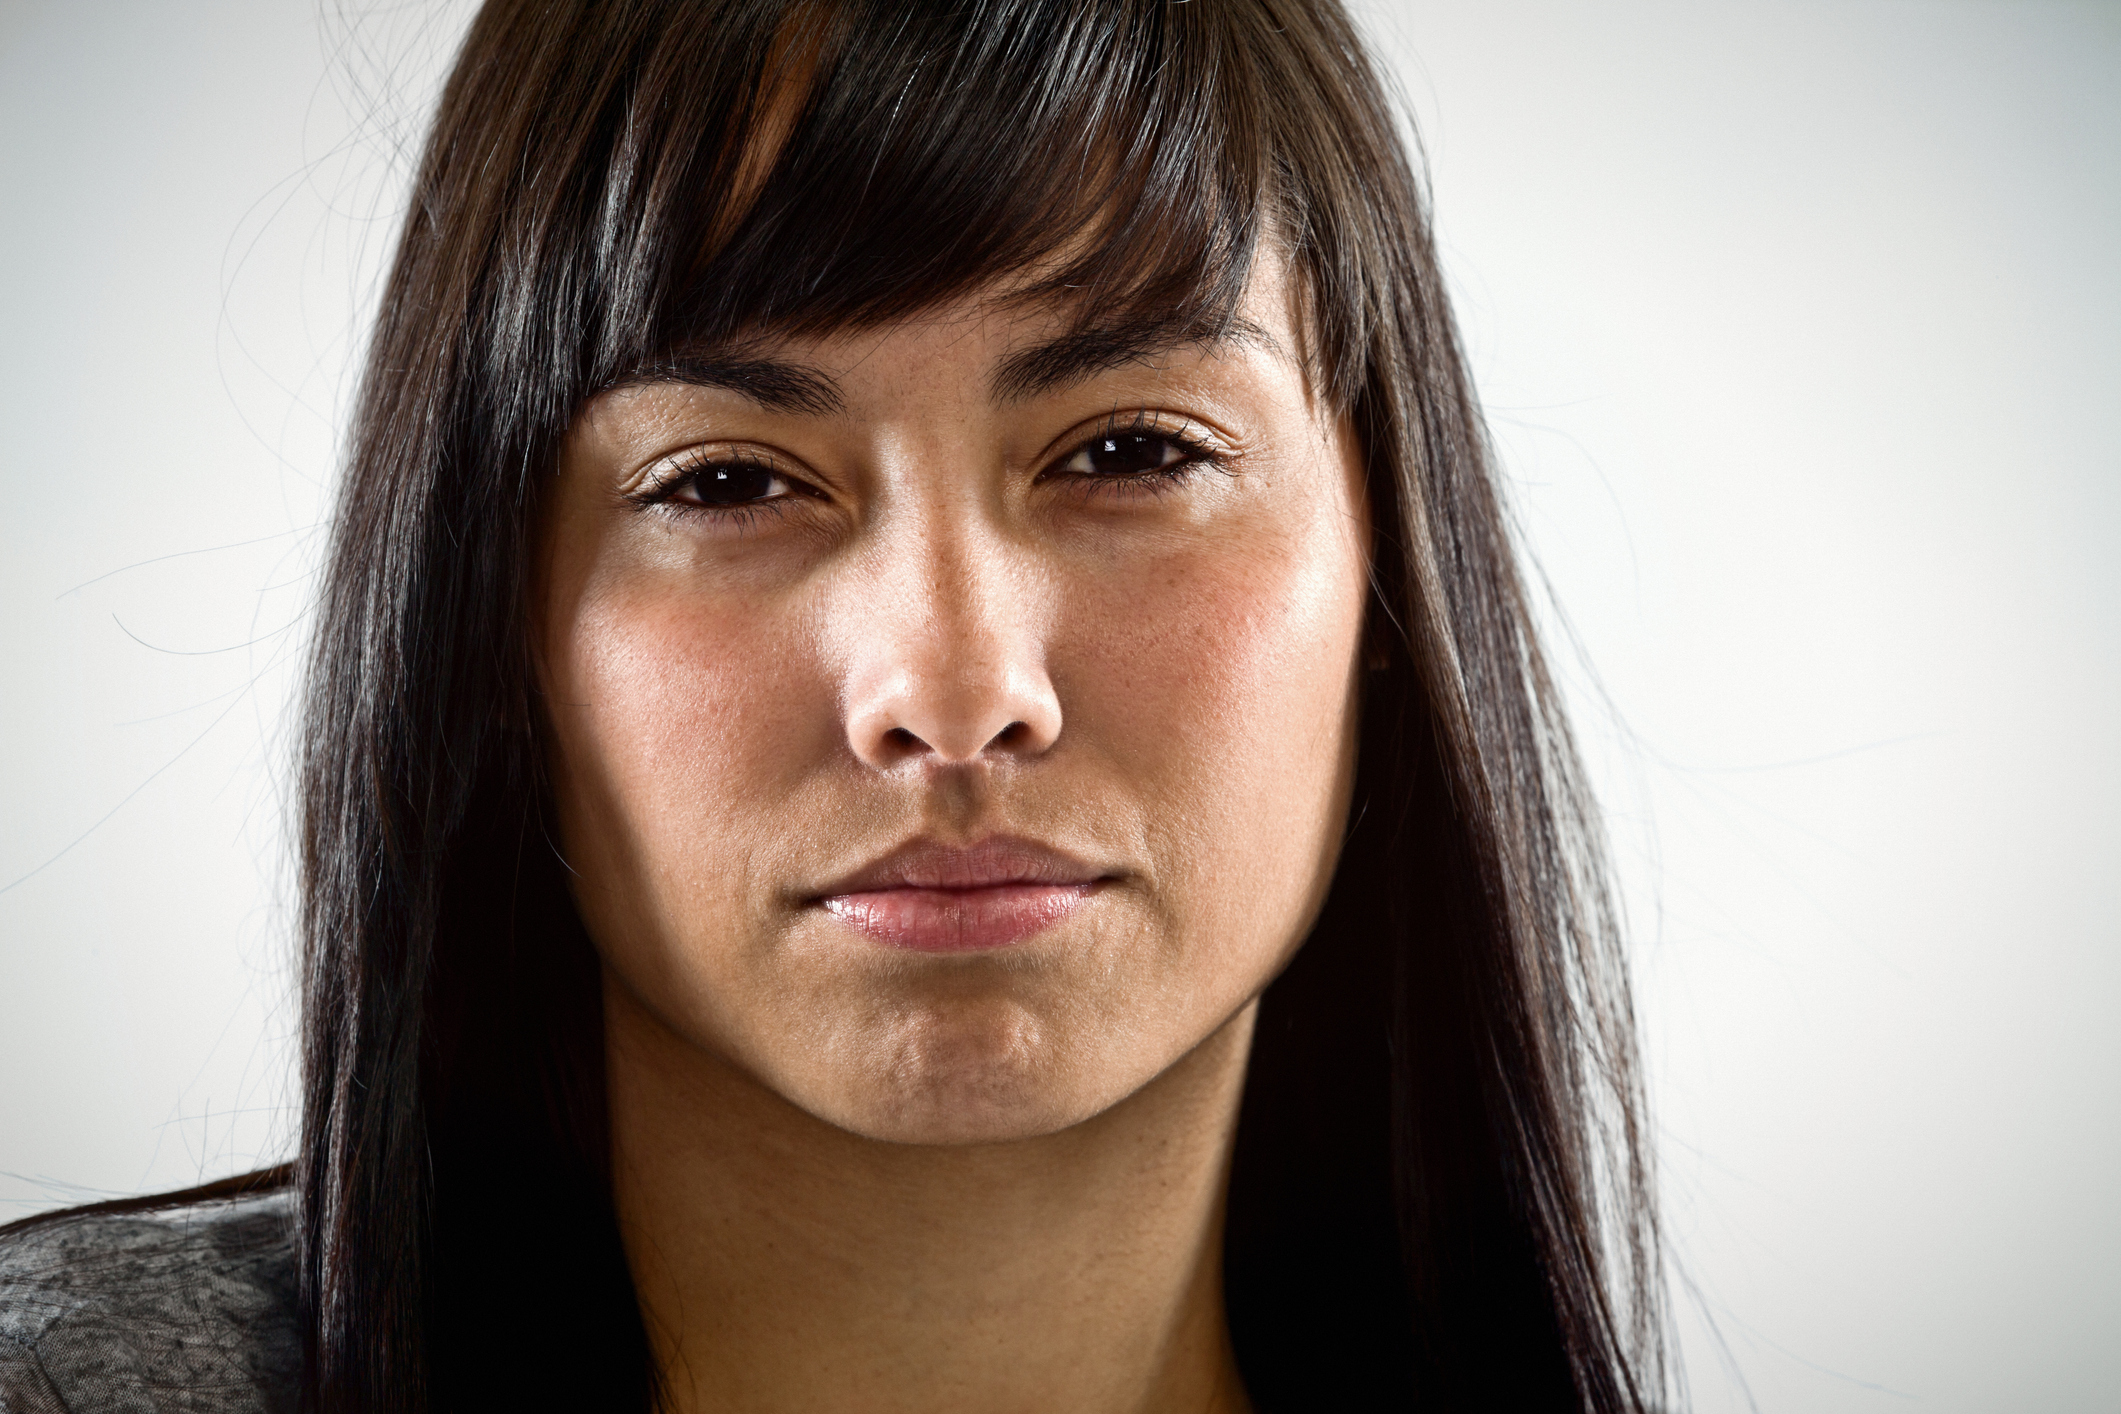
(1193, 455)
(743, 515)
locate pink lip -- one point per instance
(928, 897)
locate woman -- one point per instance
(928, 784)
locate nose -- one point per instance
(946, 654)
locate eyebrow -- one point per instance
(778, 384)
(783, 385)
(1085, 353)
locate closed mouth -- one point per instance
(931, 897)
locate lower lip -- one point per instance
(957, 920)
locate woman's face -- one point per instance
(952, 723)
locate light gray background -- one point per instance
(1799, 326)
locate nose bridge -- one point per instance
(946, 651)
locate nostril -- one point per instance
(941, 719)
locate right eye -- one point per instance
(729, 484)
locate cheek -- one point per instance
(1221, 684)
(674, 726)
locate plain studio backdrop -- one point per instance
(1799, 328)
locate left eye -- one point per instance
(1124, 454)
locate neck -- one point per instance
(785, 1264)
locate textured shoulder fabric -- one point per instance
(187, 1309)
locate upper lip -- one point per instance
(992, 863)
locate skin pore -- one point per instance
(816, 608)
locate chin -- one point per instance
(963, 1076)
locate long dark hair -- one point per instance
(1441, 1196)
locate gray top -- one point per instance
(188, 1309)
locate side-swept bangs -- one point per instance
(708, 173)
